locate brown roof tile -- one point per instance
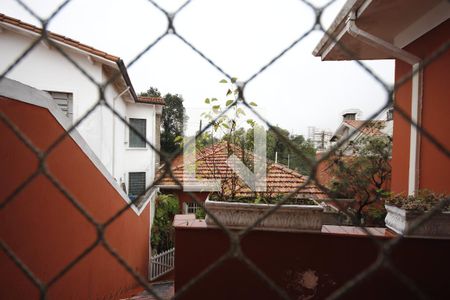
(151, 100)
(211, 164)
(372, 128)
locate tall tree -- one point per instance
(365, 175)
(151, 92)
(172, 119)
(297, 159)
(172, 122)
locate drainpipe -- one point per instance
(114, 130)
(416, 94)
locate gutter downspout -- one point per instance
(114, 131)
(416, 93)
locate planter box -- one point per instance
(400, 220)
(286, 218)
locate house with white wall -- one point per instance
(352, 124)
(73, 82)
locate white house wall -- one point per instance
(46, 69)
(141, 159)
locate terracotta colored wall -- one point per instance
(47, 232)
(434, 166)
(306, 265)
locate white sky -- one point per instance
(240, 36)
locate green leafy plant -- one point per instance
(200, 213)
(225, 117)
(162, 236)
(364, 176)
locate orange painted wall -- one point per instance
(434, 165)
(287, 258)
(47, 232)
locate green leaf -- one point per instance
(229, 92)
(253, 104)
(214, 99)
(216, 108)
(240, 111)
(207, 101)
(228, 103)
(225, 126)
(178, 138)
(223, 81)
(233, 79)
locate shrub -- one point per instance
(424, 201)
(162, 235)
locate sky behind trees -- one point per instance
(298, 91)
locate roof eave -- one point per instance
(126, 77)
(335, 27)
(110, 62)
(381, 20)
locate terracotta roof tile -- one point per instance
(58, 37)
(151, 100)
(211, 164)
(371, 128)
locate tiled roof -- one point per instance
(151, 100)
(58, 37)
(372, 128)
(211, 164)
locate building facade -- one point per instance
(418, 41)
(72, 83)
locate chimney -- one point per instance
(349, 116)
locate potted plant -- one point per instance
(238, 213)
(403, 211)
(235, 205)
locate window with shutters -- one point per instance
(64, 102)
(136, 184)
(140, 126)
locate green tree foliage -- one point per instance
(162, 236)
(277, 144)
(364, 175)
(172, 119)
(151, 92)
(172, 122)
(204, 140)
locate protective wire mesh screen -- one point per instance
(138, 134)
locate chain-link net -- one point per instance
(235, 237)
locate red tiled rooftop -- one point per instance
(211, 164)
(151, 100)
(372, 128)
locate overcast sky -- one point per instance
(240, 36)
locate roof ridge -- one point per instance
(59, 37)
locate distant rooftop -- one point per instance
(211, 164)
